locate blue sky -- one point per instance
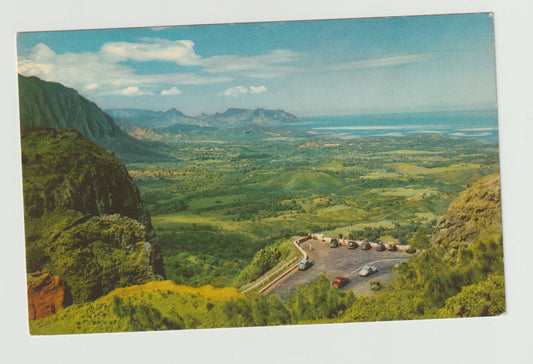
(326, 67)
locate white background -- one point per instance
(506, 339)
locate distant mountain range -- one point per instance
(133, 134)
(230, 118)
(152, 119)
(50, 104)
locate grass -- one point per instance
(345, 230)
(171, 221)
(215, 202)
(410, 193)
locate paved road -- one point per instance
(340, 261)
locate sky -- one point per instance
(326, 67)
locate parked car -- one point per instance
(411, 249)
(367, 270)
(340, 282)
(305, 264)
(391, 247)
(352, 244)
(380, 246)
(333, 243)
(365, 245)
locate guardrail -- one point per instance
(343, 241)
(264, 281)
(269, 280)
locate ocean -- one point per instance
(481, 125)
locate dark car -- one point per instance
(352, 244)
(305, 264)
(380, 246)
(333, 243)
(365, 245)
(340, 282)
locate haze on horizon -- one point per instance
(326, 67)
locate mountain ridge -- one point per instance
(51, 104)
(232, 117)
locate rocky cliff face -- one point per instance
(47, 294)
(64, 170)
(475, 214)
(84, 217)
(103, 253)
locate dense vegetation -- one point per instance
(85, 220)
(64, 170)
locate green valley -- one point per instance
(233, 195)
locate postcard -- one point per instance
(261, 174)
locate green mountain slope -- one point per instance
(50, 104)
(84, 218)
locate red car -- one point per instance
(340, 282)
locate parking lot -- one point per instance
(340, 261)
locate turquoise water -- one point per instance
(481, 125)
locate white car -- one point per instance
(305, 264)
(367, 270)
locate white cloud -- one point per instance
(272, 64)
(153, 49)
(381, 62)
(171, 92)
(241, 90)
(236, 91)
(258, 89)
(132, 91)
(91, 86)
(100, 74)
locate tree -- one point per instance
(420, 240)
(486, 298)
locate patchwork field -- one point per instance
(229, 196)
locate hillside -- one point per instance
(64, 170)
(475, 214)
(84, 218)
(50, 104)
